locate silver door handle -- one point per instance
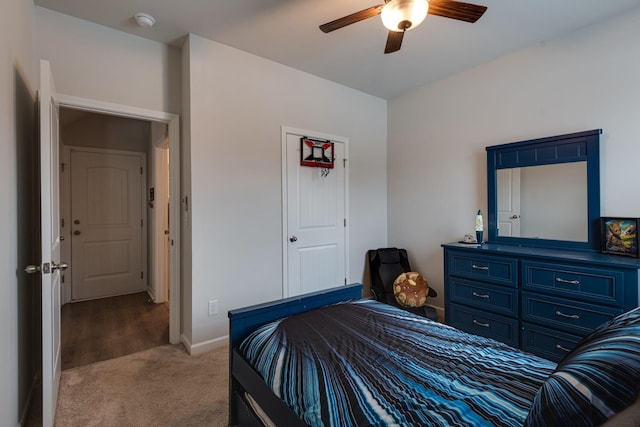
(62, 266)
(30, 269)
(293, 239)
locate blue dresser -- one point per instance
(540, 300)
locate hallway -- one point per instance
(107, 328)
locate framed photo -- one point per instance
(619, 236)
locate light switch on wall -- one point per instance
(213, 307)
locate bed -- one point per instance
(332, 358)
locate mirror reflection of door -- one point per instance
(508, 184)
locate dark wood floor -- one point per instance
(111, 327)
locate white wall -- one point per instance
(238, 103)
(107, 132)
(17, 96)
(437, 134)
(99, 63)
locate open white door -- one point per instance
(51, 265)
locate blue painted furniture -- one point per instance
(540, 300)
(244, 379)
(539, 294)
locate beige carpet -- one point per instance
(163, 386)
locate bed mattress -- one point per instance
(364, 363)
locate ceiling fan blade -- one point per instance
(394, 41)
(351, 19)
(456, 10)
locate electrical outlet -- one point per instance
(213, 307)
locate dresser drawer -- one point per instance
(499, 299)
(485, 324)
(547, 343)
(598, 285)
(571, 316)
(499, 270)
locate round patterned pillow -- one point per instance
(410, 289)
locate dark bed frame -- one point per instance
(244, 379)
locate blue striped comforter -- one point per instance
(364, 363)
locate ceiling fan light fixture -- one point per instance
(402, 15)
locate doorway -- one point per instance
(109, 195)
(315, 217)
(171, 206)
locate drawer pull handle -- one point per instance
(484, 325)
(570, 316)
(475, 294)
(479, 267)
(571, 282)
(559, 347)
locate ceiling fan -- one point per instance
(402, 15)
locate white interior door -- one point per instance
(508, 202)
(316, 225)
(107, 225)
(50, 222)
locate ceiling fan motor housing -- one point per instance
(401, 15)
(404, 25)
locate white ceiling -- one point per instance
(286, 31)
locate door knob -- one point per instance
(77, 233)
(62, 266)
(30, 269)
(293, 239)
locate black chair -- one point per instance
(385, 265)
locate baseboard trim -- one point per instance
(205, 346)
(152, 295)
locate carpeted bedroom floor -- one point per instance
(163, 386)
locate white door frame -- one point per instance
(285, 237)
(173, 122)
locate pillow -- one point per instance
(410, 289)
(599, 378)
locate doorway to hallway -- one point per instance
(126, 324)
(114, 202)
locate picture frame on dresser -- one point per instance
(619, 236)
